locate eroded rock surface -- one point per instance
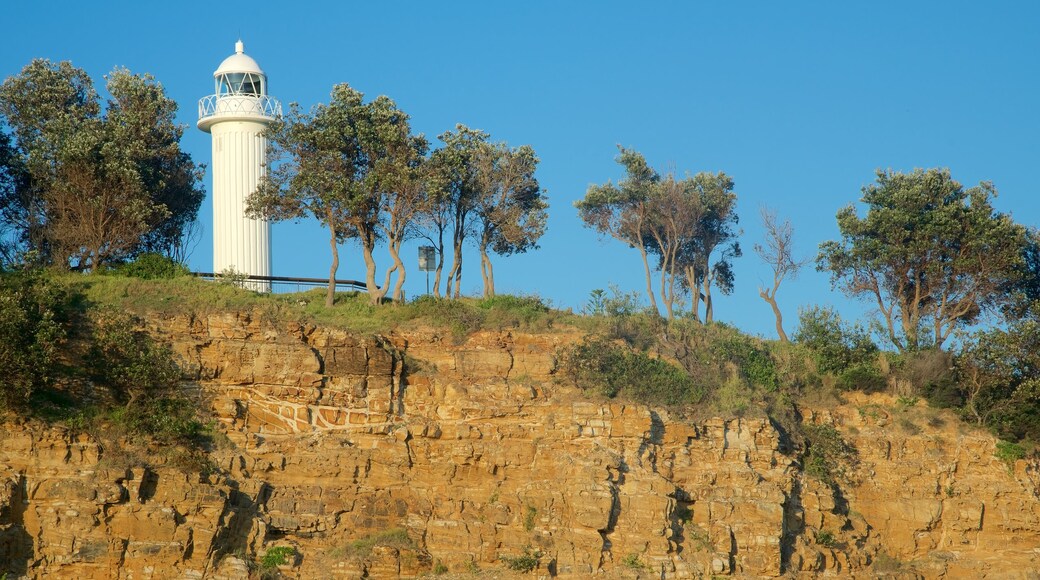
(480, 456)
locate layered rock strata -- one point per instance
(476, 452)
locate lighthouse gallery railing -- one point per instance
(264, 106)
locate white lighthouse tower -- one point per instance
(236, 115)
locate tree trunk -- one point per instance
(330, 292)
(649, 279)
(485, 272)
(664, 291)
(395, 255)
(455, 275)
(771, 300)
(375, 294)
(695, 292)
(440, 264)
(709, 313)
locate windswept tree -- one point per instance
(932, 255)
(350, 165)
(314, 165)
(778, 254)
(675, 214)
(687, 223)
(96, 186)
(510, 206)
(706, 259)
(454, 193)
(622, 210)
(404, 197)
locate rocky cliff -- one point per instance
(471, 456)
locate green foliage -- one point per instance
(127, 360)
(999, 372)
(688, 223)
(826, 539)
(1009, 453)
(96, 184)
(34, 311)
(622, 315)
(602, 367)
(506, 310)
(277, 556)
(827, 457)
(835, 344)
(632, 561)
(861, 377)
(931, 254)
(167, 419)
(439, 568)
(529, 515)
(524, 563)
(750, 356)
(152, 266)
(394, 538)
(353, 166)
(907, 401)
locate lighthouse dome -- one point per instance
(239, 93)
(240, 62)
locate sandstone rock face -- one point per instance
(480, 457)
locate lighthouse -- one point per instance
(236, 115)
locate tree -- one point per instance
(674, 220)
(933, 255)
(510, 207)
(404, 198)
(778, 254)
(1023, 288)
(706, 258)
(622, 211)
(454, 192)
(95, 187)
(13, 182)
(315, 165)
(350, 165)
(685, 222)
(1000, 372)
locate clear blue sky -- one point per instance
(799, 101)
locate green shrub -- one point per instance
(827, 455)
(835, 344)
(34, 313)
(440, 568)
(600, 366)
(750, 356)
(277, 556)
(128, 360)
(861, 377)
(152, 266)
(459, 315)
(734, 397)
(394, 538)
(826, 539)
(528, 307)
(525, 563)
(1009, 453)
(529, 516)
(632, 561)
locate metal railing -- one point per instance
(351, 284)
(264, 106)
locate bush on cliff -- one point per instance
(600, 366)
(34, 314)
